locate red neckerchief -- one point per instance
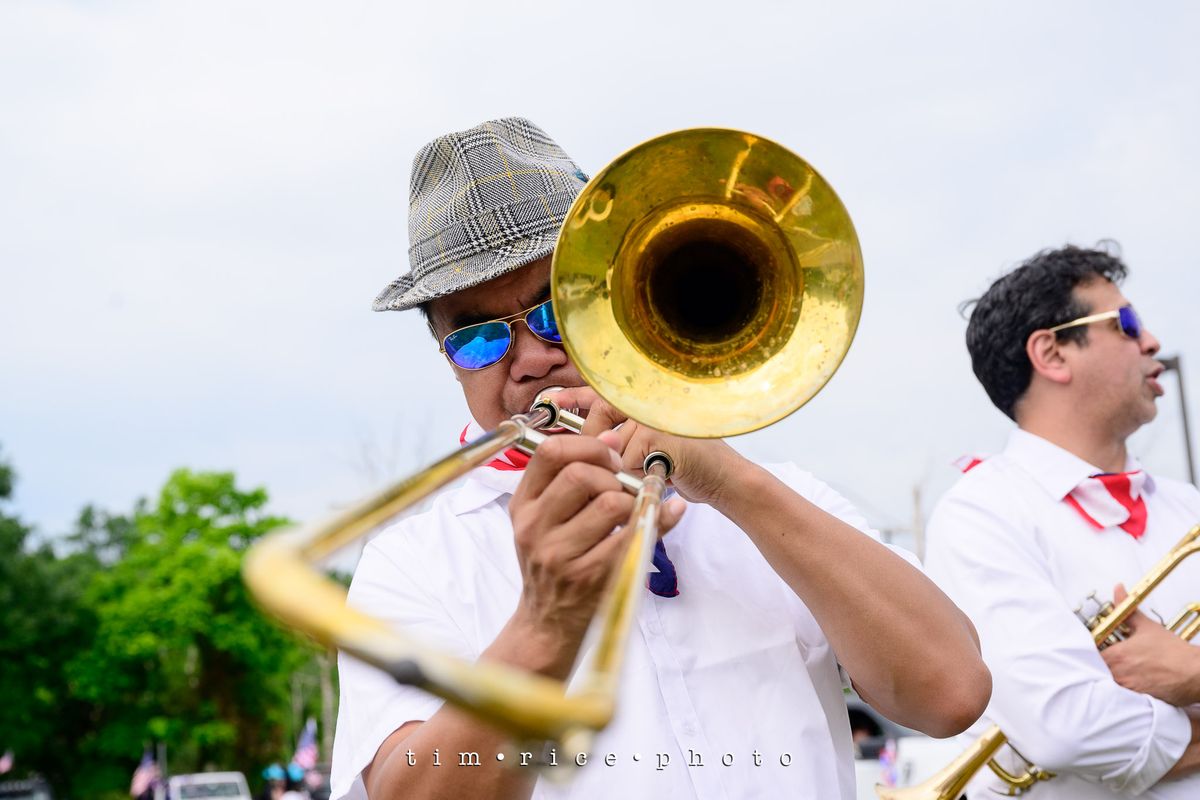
(510, 460)
(1115, 497)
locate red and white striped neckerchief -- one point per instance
(510, 460)
(1104, 500)
(1110, 499)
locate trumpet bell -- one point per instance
(708, 282)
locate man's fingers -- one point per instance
(632, 458)
(613, 440)
(577, 397)
(669, 515)
(1135, 620)
(633, 453)
(574, 488)
(555, 454)
(602, 417)
(598, 414)
(1112, 655)
(599, 518)
(600, 560)
(602, 556)
(612, 547)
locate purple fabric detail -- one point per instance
(663, 583)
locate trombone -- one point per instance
(706, 283)
(1107, 626)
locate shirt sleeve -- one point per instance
(834, 503)
(1053, 695)
(387, 584)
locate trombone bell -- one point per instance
(707, 282)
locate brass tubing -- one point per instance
(371, 512)
(1187, 623)
(952, 781)
(279, 571)
(611, 626)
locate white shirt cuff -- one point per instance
(1170, 734)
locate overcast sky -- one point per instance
(198, 202)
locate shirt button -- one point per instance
(689, 728)
(654, 628)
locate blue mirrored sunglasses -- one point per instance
(1127, 320)
(483, 344)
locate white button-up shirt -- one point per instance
(729, 690)
(1018, 559)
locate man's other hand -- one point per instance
(1154, 661)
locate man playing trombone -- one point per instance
(762, 601)
(1026, 536)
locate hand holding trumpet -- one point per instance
(1153, 660)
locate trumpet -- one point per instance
(1107, 626)
(706, 283)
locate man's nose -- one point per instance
(1149, 342)
(533, 357)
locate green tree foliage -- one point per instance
(44, 622)
(179, 653)
(140, 630)
(102, 535)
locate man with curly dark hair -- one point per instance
(1038, 295)
(1063, 511)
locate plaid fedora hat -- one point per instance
(482, 202)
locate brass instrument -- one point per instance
(706, 283)
(1108, 627)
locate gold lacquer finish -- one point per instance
(1107, 627)
(708, 282)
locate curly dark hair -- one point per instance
(1037, 294)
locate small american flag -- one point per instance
(306, 747)
(144, 776)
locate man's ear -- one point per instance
(1046, 356)
(432, 330)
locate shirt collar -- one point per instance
(1056, 470)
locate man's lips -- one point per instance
(1152, 379)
